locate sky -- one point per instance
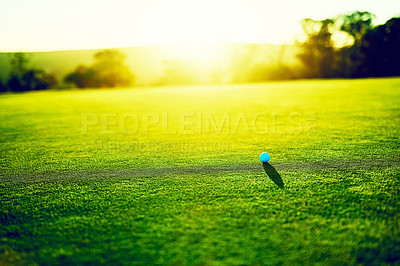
(50, 25)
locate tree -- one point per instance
(18, 64)
(381, 49)
(111, 70)
(23, 78)
(108, 70)
(3, 87)
(318, 51)
(83, 77)
(357, 24)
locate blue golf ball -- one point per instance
(264, 157)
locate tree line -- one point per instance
(108, 70)
(371, 51)
(24, 78)
(367, 51)
(374, 50)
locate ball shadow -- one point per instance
(273, 174)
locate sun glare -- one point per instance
(193, 25)
(197, 51)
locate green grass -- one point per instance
(200, 195)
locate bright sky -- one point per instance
(44, 25)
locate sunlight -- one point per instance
(185, 23)
(197, 51)
(194, 24)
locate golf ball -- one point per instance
(264, 157)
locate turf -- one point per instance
(135, 192)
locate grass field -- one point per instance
(171, 175)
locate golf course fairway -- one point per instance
(171, 175)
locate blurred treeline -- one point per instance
(108, 71)
(348, 46)
(371, 51)
(24, 78)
